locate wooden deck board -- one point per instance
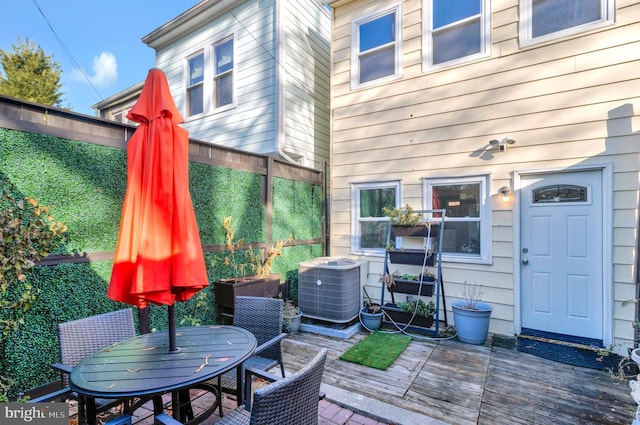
(464, 384)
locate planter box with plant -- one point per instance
(252, 275)
(407, 223)
(403, 313)
(411, 257)
(422, 285)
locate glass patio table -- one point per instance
(143, 366)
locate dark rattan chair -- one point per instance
(287, 401)
(82, 337)
(263, 318)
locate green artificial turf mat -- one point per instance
(378, 350)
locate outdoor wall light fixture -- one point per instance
(505, 191)
(501, 144)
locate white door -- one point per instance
(561, 253)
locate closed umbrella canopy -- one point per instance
(158, 256)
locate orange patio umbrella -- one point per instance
(158, 256)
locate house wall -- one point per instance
(250, 125)
(305, 42)
(570, 102)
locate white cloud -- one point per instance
(105, 70)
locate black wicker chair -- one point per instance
(263, 318)
(78, 339)
(287, 401)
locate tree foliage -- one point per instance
(29, 233)
(30, 74)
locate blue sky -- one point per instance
(102, 37)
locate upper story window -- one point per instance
(369, 225)
(543, 20)
(455, 31)
(195, 85)
(375, 53)
(224, 72)
(210, 78)
(467, 223)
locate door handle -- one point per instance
(525, 261)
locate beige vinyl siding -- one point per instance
(568, 102)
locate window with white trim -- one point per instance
(467, 226)
(223, 72)
(369, 225)
(376, 49)
(543, 20)
(195, 85)
(209, 78)
(455, 31)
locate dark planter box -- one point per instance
(402, 318)
(413, 286)
(410, 256)
(406, 230)
(226, 290)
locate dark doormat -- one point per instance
(580, 352)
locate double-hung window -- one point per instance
(455, 31)
(195, 84)
(223, 72)
(376, 49)
(210, 78)
(369, 225)
(543, 20)
(467, 223)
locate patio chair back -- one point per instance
(289, 401)
(263, 318)
(82, 337)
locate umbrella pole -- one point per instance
(172, 328)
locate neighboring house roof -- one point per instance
(181, 25)
(122, 96)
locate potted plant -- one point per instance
(414, 313)
(252, 271)
(471, 315)
(371, 314)
(291, 317)
(407, 223)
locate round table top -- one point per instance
(144, 365)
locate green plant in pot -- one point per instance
(371, 314)
(421, 308)
(291, 317)
(406, 222)
(471, 315)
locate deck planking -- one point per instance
(464, 384)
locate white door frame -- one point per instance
(607, 257)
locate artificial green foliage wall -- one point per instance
(85, 185)
(68, 292)
(297, 210)
(82, 182)
(219, 192)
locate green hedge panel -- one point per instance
(85, 185)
